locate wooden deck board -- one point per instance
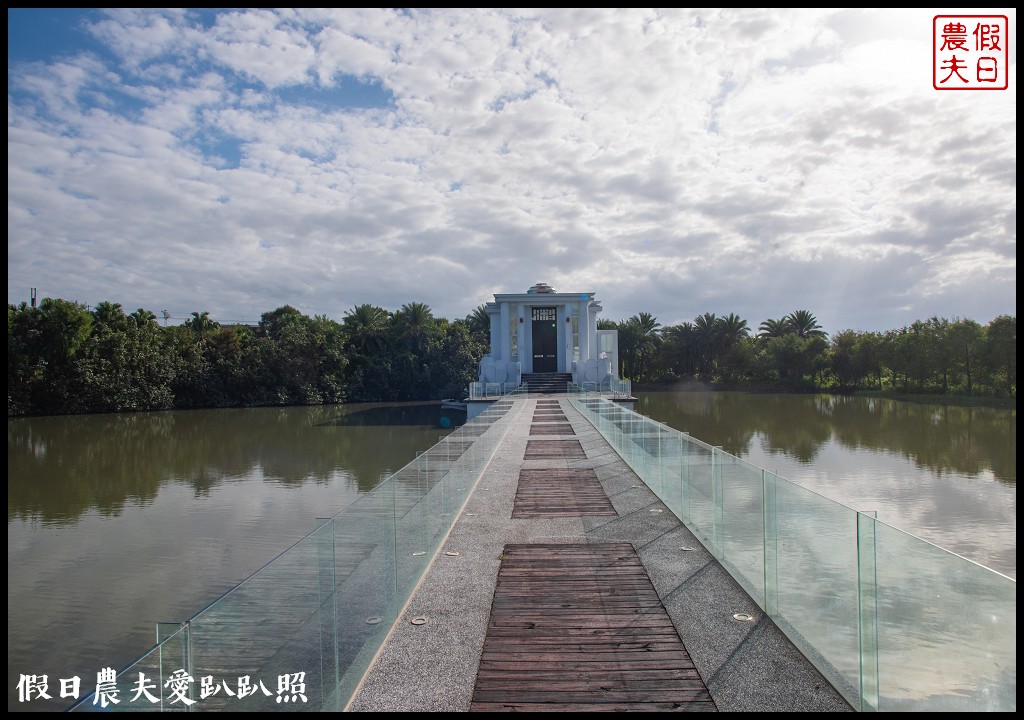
(552, 429)
(554, 450)
(611, 647)
(560, 492)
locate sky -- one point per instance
(675, 162)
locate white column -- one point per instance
(585, 353)
(495, 333)
(592, 331)
(506, 336)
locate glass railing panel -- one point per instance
(945, 630)
(815, 584)
(300, 633)
(366, 599)
(636, 432)
(699, 500)
(742, 523)
(265, 635)
(412, 542)
(653, 466)
(893, 622)
(672, 460)
(142, 686)
(635, 436)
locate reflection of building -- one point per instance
(546, 331)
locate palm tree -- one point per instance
(773, 328)
(366, 326)
(413, 321)
(479, 323)
(109, 315)
(706, 328)
(731, 329)
(681, 344)
(647, 339)
(143, 318)
(804, 324)
(201, 323)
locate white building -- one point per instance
(543, 331)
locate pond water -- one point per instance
(117, 522)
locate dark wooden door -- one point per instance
(545, 340)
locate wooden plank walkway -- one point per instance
(565, 492)
(552, 428)
(581, 628)
(577, 627)
(554, 450)
(550, 409)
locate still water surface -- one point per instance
(944, 473)
(116, 522)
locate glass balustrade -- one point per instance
(894, 622)
(301, 632)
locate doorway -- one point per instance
(545, 340)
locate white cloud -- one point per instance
(675, 162)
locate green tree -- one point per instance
(966, 337)
(142, 318)
(57, 336)
(706, 328)
(638, 344)
(1000, 349)
(302, 358)
(124, 366)
(413, 323)
(773, 328)
(109, 316)
(907, 357)
(804, 324)
(201, 324)
(937, 344)
(868, 355)
(647, 333)
(276, 322)
(797, 360)
(843, 360)
(731, 329)
(414, 327)
(452, 358)
(367, 328)
(478, 323)
(731, 352)
(679, 349)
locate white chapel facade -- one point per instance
(544, 331)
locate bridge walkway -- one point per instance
(560, 554)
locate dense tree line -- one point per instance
(940, 356)
(63, 357)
